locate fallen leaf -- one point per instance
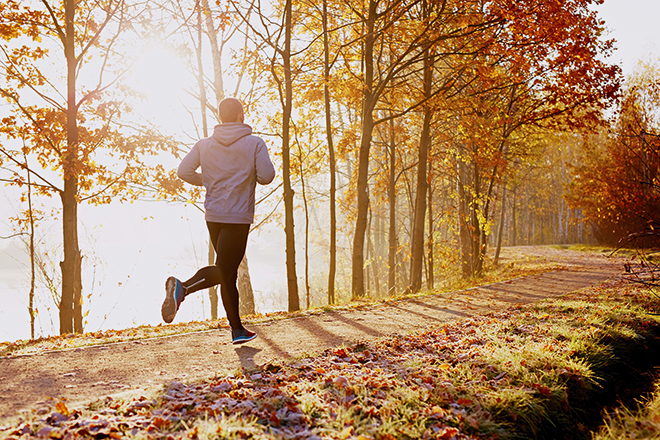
(61, 408)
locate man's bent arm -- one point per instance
(188, 168)
(264, 167)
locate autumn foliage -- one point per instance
(617, 185)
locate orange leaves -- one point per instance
(614, 189)
(464, 402)
(62, 409)
(543, 390)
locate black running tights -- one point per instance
(229, 241)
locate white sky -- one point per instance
(634, 25)
(138, 246)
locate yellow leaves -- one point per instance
(347, 432)
(62, 409)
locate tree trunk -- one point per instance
(70, 307)
(419, 216)
(245, 293)
(31, 310)
(203, 102)
(391, 196)
(476, 227)
(306, 210)
(514, 224)
(218, 82)
(331, 153)
(213, 291)
(372, 256)
(500, 227)
(357, 278)
(431, 257)
(292, 278)
(464, 224)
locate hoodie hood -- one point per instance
(228, 133)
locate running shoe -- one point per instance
(173, 299)
(241, 336)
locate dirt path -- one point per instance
(86, 374)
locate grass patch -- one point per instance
(642, 422)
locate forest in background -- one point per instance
(410, 137)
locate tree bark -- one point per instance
(31, 309)
(70, 307)
(246, 304)
(332, 271)
(203, 8)
(476, 229)
(306, 211)
(391, 196)
(500, 227)
(213, 291)
(218, 81)
(419, 217)
(373, 256)
(514, 226)
(246, 294)
(464, 223)
(292, 278)
(431, 258)
(357, 278)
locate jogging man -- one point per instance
(232, 162)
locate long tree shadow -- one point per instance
(447, 311)
(440, 309)
(320, 337)
(319, 332)
(273, 345)
(363, 328)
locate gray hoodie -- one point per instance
(233, 161)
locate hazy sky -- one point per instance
(131, 249)
(634, 24)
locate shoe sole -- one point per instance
(168, 309)
(243, 340)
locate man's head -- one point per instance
(230, 110)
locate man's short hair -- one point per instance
(230, 110)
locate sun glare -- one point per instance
(159, 75)
(165, 83)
